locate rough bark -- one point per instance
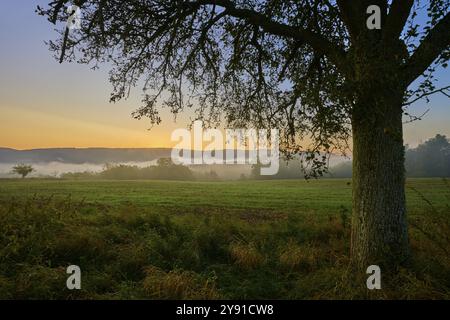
(379, 226)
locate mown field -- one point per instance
(201, 240)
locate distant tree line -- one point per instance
(164, 169)
(429, 159)
(287, 170)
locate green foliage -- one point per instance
(164, 170)
(300, 66)
(22, 169)
(140, 248)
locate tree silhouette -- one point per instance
(311, 68)
(23, 170)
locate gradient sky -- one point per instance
(46, 104)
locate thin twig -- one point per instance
(441, 90)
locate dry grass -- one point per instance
(294, 256)
(246, 256)
(178, 284)
(131, 252)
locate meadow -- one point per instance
(278, 239)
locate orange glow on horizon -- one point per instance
(39, 130)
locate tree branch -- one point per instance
(437, 40)
(348, 14)
(396, 19)
(413, 118)
(441, 90)
(318, 42)
(57, 7)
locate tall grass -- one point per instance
(129, 252)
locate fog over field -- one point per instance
(54, 162)
(55, 168)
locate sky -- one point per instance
(44, 104)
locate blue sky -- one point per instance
(47, 104)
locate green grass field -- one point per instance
(199, 240)
(285, 196)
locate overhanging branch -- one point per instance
(318, 42)
(437, 40)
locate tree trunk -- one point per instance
(379, 226)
